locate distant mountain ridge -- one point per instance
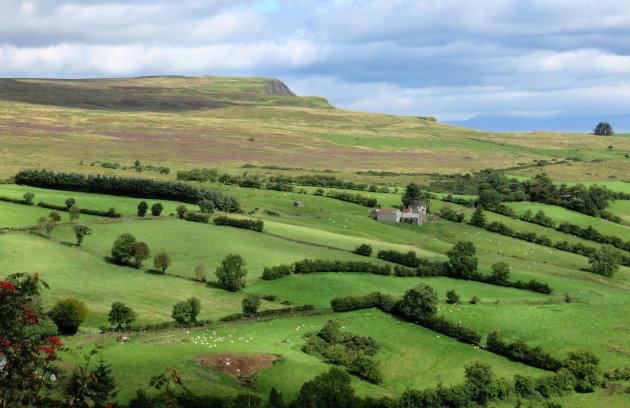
(579, 124)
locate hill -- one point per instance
(185, 122)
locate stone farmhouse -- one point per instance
(413, 214)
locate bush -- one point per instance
(275, 272)
(250, 303)
(156, 209)
(68, 314)
(181, 210)
(256, 225)
(196, 217)
(452, 297)
(474, 300)
(363, 249)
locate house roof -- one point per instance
(387, 211)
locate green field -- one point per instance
(256, 125)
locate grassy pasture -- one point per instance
(127, 206)
(622, 209)
(413, 358)
(18, 215)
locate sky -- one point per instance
(538, 61)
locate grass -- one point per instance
(412, 359)
(18, 215)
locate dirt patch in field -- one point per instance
(244, 365)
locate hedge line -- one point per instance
(439, 268)
(256, 225)
(353, 198)
(125, 186)
(111, 213)
(520, 351)
(196, 217)
(15, 200)
(321, 265)
(387, 304)
(272, 312)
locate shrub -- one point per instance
(452, 297)
(331, 332)
(181, 210)
(28, 198)
(275, 272)
(68, 314)
(196, 217)
(366, 368)
(156, 209)
(250, 303)
(363, 249)
(474, 300)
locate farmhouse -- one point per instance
(413, 214)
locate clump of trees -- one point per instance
(250, 303)
(605, 261)
(603, 129)
(121, 316)
(185, 313)
(346, 349)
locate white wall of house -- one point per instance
(391, 217)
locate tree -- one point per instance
(478, 218)
(489, 198)
(28, 353)
(41, 223)
(121, 315)
(156, 209)
(206, 206)
(363, 249)
(500, 273)
(418, 302)
(328, 390)
(74, 213)
(50, 226)
(91, 388)
(70, 202)
(68, 314)
(140, 251)
(137, 163)
(231, 273)
(452, 297)
(605, 261)
(195, 308)
(275, 399)
(28, 197)
(54, 216)
(162, 261)
(80, 232)
(462, 261)
(181, 210)
(584, 365)
(182, 313)
(121, 250)
(142, 208)
(412, 193)
(603, 129)
(331, 332)
(250, 303)
(200, 272)
(480, 383)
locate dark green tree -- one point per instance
(584, 365)
(162, 261)
(70, 202)
(478, 218)
(462, 261)
(121, 316)
(182, 313)
(231, 273)
(500, 273)
(480, 383)
(363, 249)
(195, 308)
(91, 388)
(142, 208)
(181, 210)
(80, 232)
(328, 390)
(605, 261)
(412, 193)
(28, 197)
(206, 206)
(603, 129)
(489, 198)
(250, 303)
(452, 297)
(68, 314)
(156, 209)
(418, 302)
(140, 252)
(122, 248)
(275, 399)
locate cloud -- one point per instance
(451, 58)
